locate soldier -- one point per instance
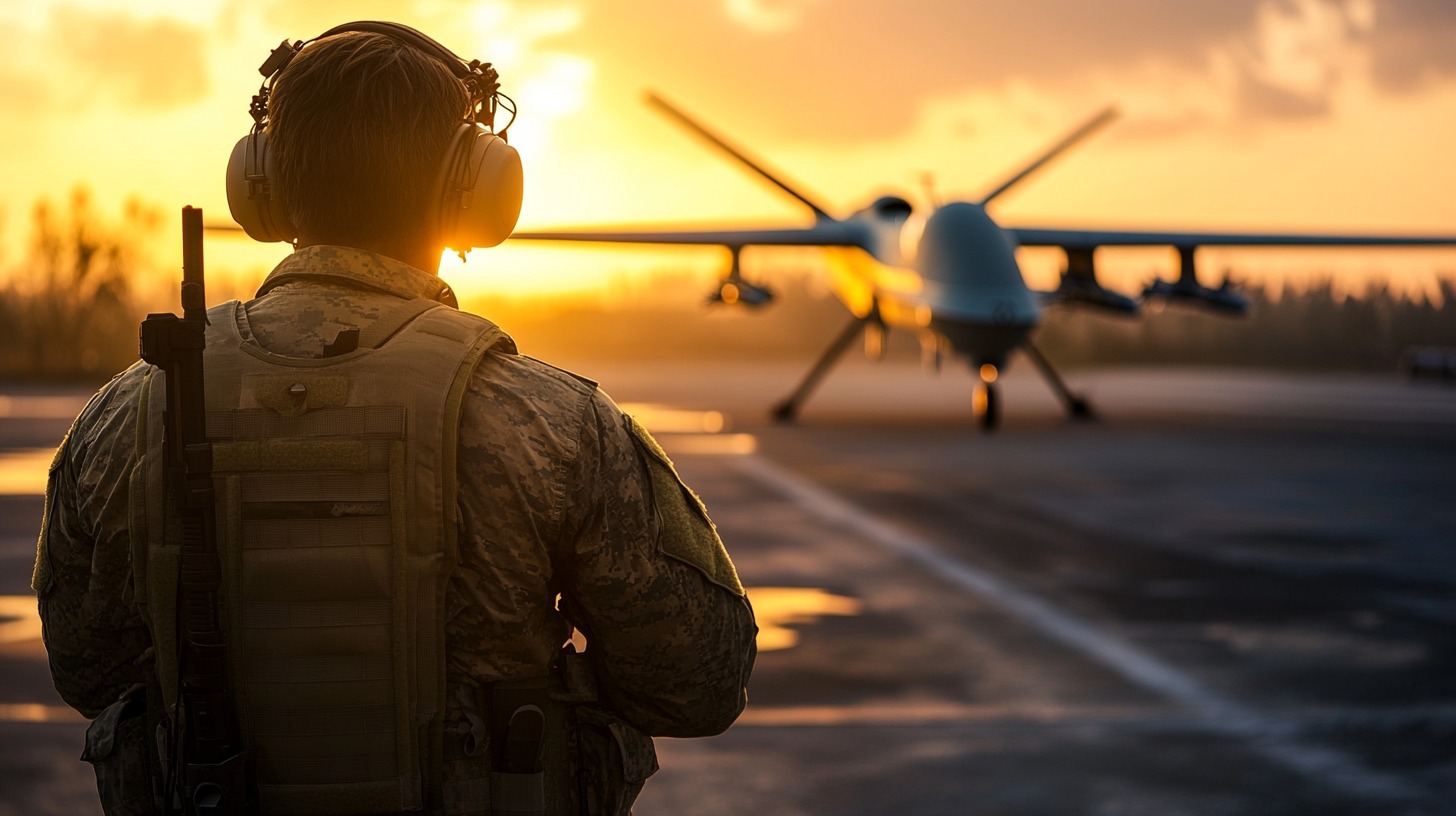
(412, 516)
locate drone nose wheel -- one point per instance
(986, 403)
(987, 406)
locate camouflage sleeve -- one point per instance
(93, 633)
(669, 631)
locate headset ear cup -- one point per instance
(252, 191)
(482, 184)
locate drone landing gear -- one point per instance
(1077, 407)
(788, 409)
(987, 405)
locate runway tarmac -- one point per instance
(1235, 594)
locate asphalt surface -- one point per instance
(1235, 594)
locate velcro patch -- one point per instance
(687, 533)
(292, 395)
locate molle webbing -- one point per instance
(336, 519)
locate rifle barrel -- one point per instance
(194, 297)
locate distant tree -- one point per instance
(68, 310)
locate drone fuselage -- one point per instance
(960, 281)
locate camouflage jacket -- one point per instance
(555, 497)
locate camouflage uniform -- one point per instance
(557, 495)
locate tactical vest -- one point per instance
(336, 520)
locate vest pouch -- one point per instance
(119, 751)
(616, 760)
(517, 794)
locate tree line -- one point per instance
(70, 306)
(69, 310)
(1316, 327)
(1313, 327)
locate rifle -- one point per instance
(207, 758)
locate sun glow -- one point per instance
(1192, 151)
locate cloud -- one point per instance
(517, 37)
(766, 16)
(546, 82)
(1412, 42)
(74, 59)
(862, 70)
(512, 34)
(1299, 56)
(301, 21)
(151, 64)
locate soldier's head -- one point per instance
(358, 125)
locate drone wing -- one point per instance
(824, 234)
(1091, 239)
(732, 289)
(1079, 279)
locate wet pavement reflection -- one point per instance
(23, 472)
(780, 612)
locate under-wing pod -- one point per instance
(1223, 299)
(1091, 293)
(735, 291)
(1079, 285)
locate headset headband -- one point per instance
(481, 81)
(478, 184)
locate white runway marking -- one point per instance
(1274, 738)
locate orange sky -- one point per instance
(1314, 115)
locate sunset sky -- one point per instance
(1311, 115)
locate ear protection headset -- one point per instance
(479, 182)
